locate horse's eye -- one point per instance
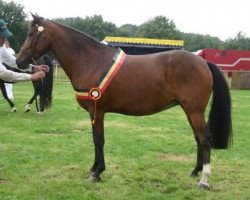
(30, 34)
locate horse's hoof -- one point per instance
(203, 186)
(194, 174)
(27, 108)
(94, 179)
(13, 109)
(93, 169)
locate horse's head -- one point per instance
(36, 43)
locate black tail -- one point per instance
(47, 86)
(219, 121)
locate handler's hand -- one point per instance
(37, 75)
(44, 68)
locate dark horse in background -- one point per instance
(42, 88)
(107, 80)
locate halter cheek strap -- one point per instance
(40, 29)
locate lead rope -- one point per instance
(94, 117)
(36, 65)
(95, 93)
(34, 61)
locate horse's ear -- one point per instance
(32, 15)
(35, 17)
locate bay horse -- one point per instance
(42, 88)
(107, 80)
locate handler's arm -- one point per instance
(10, 76)
(10, 60)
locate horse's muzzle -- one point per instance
(22, 64)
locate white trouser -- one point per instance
(8, 87)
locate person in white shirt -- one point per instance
(9, 49)
(9, 86)
(7, 58)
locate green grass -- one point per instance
(48, 156)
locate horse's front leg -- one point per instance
(98, 139)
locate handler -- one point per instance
(5, 57)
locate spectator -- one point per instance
(9, 86)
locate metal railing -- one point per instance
(59, 74)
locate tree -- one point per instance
(240, 42)
(70, 22)
(13, 14)
(127, 30)
(159, 27)
(94, 26)
(194, 42)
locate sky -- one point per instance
(219, 18)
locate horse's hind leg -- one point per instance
(28, 106)
(10, 102)
(199, 161)
(198, 124)
(12, 105)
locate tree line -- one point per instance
(159, 27)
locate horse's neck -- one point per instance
(83, 58)
(67, 50)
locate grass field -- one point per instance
(48, 156)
